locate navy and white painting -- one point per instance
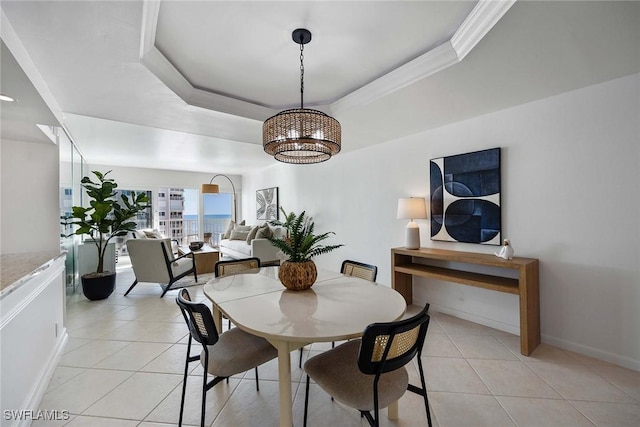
(465, 198)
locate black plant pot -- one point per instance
(98, 286)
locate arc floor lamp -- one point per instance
(211, 188)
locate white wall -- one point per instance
(143, 178)
(30, 198)
(570, 197)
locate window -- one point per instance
(217, 214)
(190, 217)
(143, 219)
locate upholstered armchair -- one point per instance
(153, 262)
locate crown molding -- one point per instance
(435, 60)
(478, 23)
(482, 18)
(155, 61)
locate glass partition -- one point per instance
(71, 172)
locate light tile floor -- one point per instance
(123, 366)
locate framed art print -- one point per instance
(267, 203)
(465, 198)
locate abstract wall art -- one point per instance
(465, 197)
(267, 203)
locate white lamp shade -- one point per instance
(412, 208)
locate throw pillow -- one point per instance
(264, 232)
(227, 231)
(252, 234)
(242, 222)
(239, 235)
(243, 228)
(149, 234)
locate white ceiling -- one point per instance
(186, 85)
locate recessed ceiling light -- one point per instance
(7, 98)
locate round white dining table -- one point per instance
(337, 307)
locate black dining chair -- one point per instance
(369, 374)
(359, 269)
(235, 266)
(222, 355)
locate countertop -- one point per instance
(16, 269)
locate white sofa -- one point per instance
(259, 248)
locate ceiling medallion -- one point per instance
(301, 135)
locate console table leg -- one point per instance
(529, 309)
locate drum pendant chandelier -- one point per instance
(301, 135)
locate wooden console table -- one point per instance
(404, 267)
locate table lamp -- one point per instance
(412, 208)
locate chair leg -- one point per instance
(135, 282)
(300, 361)
(166, 288)
(184, 382)
(257, 382)
(375, 402)
(306, 402)
(369, 418)
(422, 392)
(204, 389)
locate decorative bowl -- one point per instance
(194, 246)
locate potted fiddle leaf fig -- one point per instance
(104, 218)
(300, 244)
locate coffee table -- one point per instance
(205, 257)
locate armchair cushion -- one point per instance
(152, 234)
(181, 265)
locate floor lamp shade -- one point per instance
(412, 208)
(210, 189)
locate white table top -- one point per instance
(336, 307)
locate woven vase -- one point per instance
(298, 276)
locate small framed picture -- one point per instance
(267, 204)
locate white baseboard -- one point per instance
(606, 356)
(625, 362)
(504, 327)
(33, 402)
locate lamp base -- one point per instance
(412, 236)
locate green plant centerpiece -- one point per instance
(104, 219)
(300, 245)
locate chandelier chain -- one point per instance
(301, 75)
